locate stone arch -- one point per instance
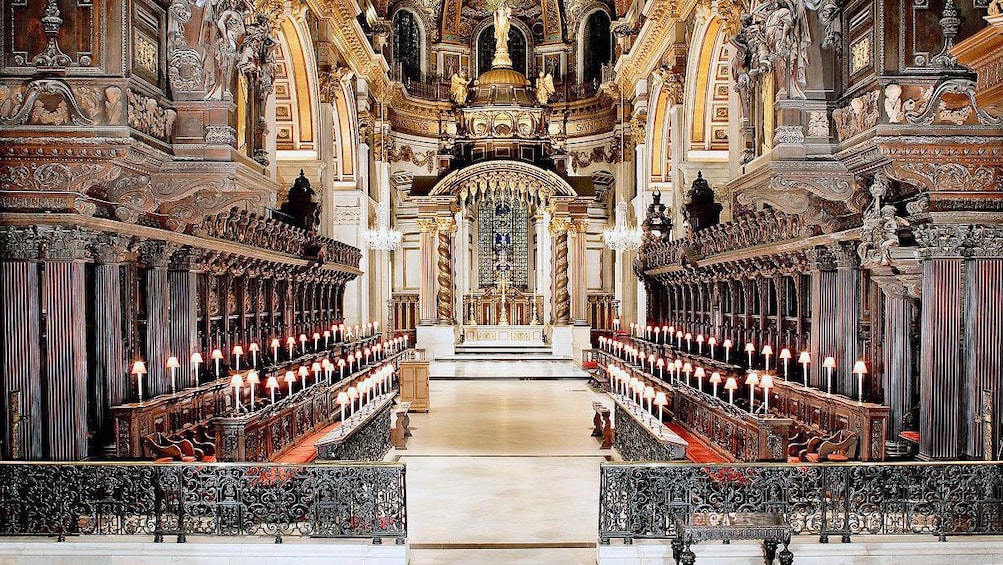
(503, 180)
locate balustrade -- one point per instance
(155, 500)
(646, 501)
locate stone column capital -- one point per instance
(426, 225)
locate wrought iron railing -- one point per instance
(646, 500)
(324, 500)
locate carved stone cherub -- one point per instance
(459, 87)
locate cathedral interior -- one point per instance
(761, 239)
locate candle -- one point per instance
(316, 341)
(353, 393)
(767, 352)
(715, 378)
(785, 354)
(711, 341)
(661, 365)
(766, 383)
(679, 339)
(805, 359)
(700, 344)
(253, 348)
(303, 374)
(689, 337)
(649, 395)
(341, 368)
(829, 363)
(236, 381)
(252, 379)
(290, 379)
(657, 331)
(665, 333)
(271, 385)
(139, 369)
(730, 385)
(660, 401)
(327, 339)
(315, 368)
(291, 342)
(678, 364)
(196, 361)
(699, 374)
(303, 343)
(687, 369)
(727, 349)
(752, 380)
(859, 369)
(647, 333)
(217, 356)
(275, 350)
(750, 348)
(616, 324)
(173, 364)
(342, 401)
(237, 352)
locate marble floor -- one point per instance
(505, 370)
(501, 470)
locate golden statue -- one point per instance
(459, 87)
(544, 87)
(502, 25)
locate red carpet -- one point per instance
(305, 451)
(697, 451)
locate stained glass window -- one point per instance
(502, 242)
(486, 49)
(596, 47)
(407, 44)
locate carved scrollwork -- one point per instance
(36, 100)
(935, 109)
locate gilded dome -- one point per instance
(502, 76)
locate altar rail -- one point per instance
(638, 501)
(146, 499)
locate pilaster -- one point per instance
(65, 337)
(426, 290)
(21, 354)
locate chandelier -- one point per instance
(622, 238)
(383, 238)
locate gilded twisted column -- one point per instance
(446, 229)
(562, 296)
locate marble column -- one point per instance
(21, 355)
(111, 374)
(543, 262)
(66, 391)
(562, 297)
(156, 255)
(183, 313)
(426, 289)
(445, 228)
(579, 295)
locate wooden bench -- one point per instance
(602, 424)
(402, 426)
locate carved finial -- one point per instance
(949, 24)
(52, 21)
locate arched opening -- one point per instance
(597, 47)
(407, 45)
(486, 49)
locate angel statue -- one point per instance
(459, 87)
(544, 87)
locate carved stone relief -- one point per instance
(860, 115)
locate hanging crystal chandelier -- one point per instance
(622, 238)
(384, 237)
